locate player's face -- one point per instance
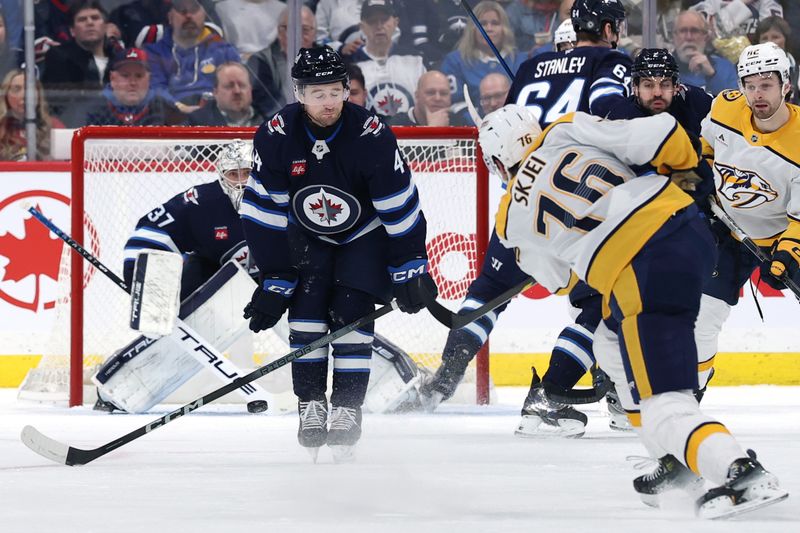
(323, 103)
(358, 95)
(655, 94)
(130, 83)
(237, 177)
(764, 94)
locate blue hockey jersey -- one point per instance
(689, 106)
(336, 190)
(591, 79)
(201, 222)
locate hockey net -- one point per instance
(119, 174)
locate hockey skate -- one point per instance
(670, 474)
(439, 388)
(344, 433)
(313, 430)
(542, 417)
(618, 418)
(749, 487)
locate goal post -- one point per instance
(119, 174)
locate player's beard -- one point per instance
(325, 116)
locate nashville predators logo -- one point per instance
(744, 189)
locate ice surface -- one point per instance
(459, 470)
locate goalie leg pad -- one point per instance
(147, 370)
(394, 379)
(155, 292)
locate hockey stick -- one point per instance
(203, 351)
(749, 243)
(453, 320)
(486, 37)
(70, 456)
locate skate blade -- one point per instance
(343, 454)
(533, 427)
(620, 423)
(723, 512)
(314, 453)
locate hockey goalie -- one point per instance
(188, 268)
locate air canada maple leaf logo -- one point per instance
(326, 209)
(36, 254)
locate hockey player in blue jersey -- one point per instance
(592, 77)
(333, 221)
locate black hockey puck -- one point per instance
(257, 406)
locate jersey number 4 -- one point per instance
(568, 102)
(593, 181)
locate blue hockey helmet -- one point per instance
(654, 63)
(318, 65)
(590, 15)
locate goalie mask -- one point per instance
(234, 163)
(505, 135)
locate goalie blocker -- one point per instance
(147, 370)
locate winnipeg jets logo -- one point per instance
(744, 188)
(275, 124)
(373, 125)
(190, 196)
(325, 209)
(389, 100)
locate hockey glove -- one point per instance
(785, 259)
(268, 304)
(411, 280)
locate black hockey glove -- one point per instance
(410, 280)
(265, 309)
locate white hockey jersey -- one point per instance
(576, 205)
(391, 82)
(757, 175)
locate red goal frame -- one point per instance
(82, 135)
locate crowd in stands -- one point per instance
(224, 62)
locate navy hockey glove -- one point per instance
(411, 281)
(268, 304)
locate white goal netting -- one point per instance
(126, 177)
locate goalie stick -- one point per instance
(203, 351)
(70, 456)
(749, 243)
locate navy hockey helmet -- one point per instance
(654, 63)
(318, 65)
(589, 15)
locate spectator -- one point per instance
(737, 17)
(391, 76)
(11, 12)
(432, 28)
(128, 100)
(358, 91)
(233, 99)
(698, 64)
(13, 144)
(493, 92)
(130, 18)
(777, 30)
(52, 20)
(10, 56)
(250, 25)
(533, 21)
(182, 64)
(268, 66)
(337, 25)
(473, 59)
(432, 104)
(76, 71)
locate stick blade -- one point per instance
(44, 445)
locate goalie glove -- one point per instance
(411, 280)
(785, 259)
(268, 304)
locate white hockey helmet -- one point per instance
(565, 34)
(762, 59)
(234, 156)
(505, 136)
